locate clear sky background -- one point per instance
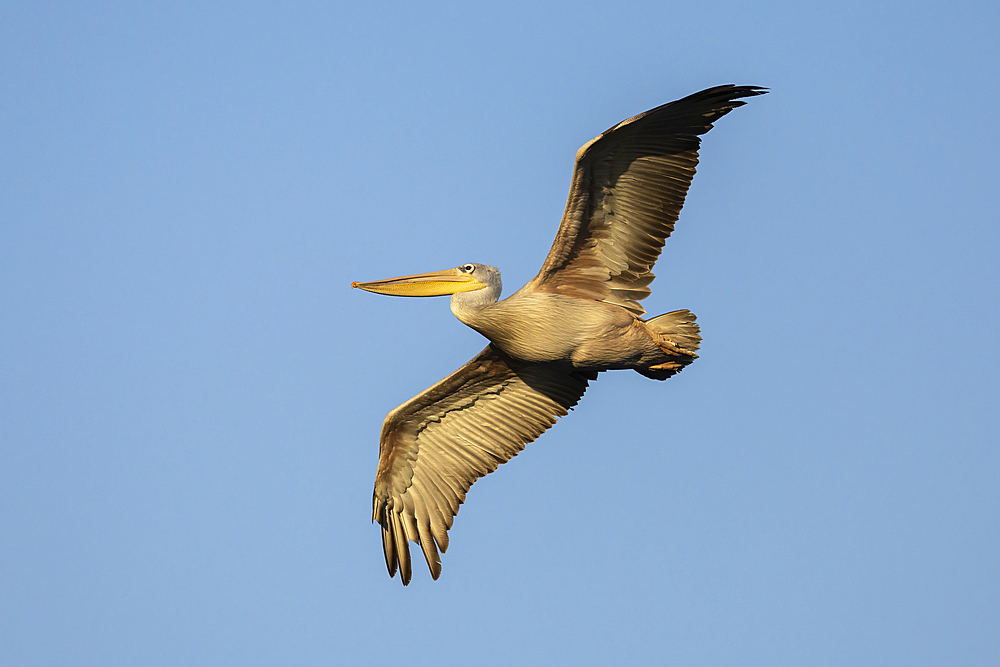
(191, 393)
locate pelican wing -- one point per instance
(438, 443)
(628, 188)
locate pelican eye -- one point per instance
(468, 268)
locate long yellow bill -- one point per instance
(436, 283)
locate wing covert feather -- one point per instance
(628, 188)
(434, 446)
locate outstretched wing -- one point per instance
(628, 188)
(438, 443)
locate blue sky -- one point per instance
(192, 393)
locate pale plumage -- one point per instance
(579, 316)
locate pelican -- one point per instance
(578, 317)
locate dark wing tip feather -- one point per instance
(716, 103)
(389, 548)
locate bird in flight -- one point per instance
(578, 317)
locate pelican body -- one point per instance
(578, 317)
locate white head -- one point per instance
(472, 286)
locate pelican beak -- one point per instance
(436, 283)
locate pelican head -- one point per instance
(465, 278)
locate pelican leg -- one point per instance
(678, 337)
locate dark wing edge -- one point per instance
(628, 188)
(434, 446)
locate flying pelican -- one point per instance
(579, 316)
